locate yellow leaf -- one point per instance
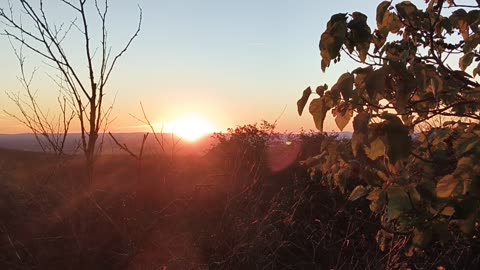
(376, 149)
(448, 186)
(357, 193)
(382, 175)
(319, 111)
(448, 211)
(342, 119)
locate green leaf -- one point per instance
(357, 193)
(303, 100)
(319, 111)
(398, 202)
(344, 85)
(465, 60)
(376, 149)
(448, 186)
(398, 138)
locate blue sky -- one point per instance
(232, 62)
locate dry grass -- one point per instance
(189, 216)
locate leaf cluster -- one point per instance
(427, 185)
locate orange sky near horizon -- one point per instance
(228, 62)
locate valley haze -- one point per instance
(27, 142)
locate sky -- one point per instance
(229, 62)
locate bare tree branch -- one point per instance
(45, 38)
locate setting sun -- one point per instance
(190, 128)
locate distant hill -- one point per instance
(342, 135)
(6, 153)
(27, 142)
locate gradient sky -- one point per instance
(231, 62)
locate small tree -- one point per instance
(405, 78)
(243, 151)
(45, 38)
(50, 131)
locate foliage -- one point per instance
(426, 187)
(308, 224)
(191, 217)
(243, 150)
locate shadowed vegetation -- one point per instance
(402, 193)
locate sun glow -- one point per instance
(190, 128)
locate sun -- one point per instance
(190, 128)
